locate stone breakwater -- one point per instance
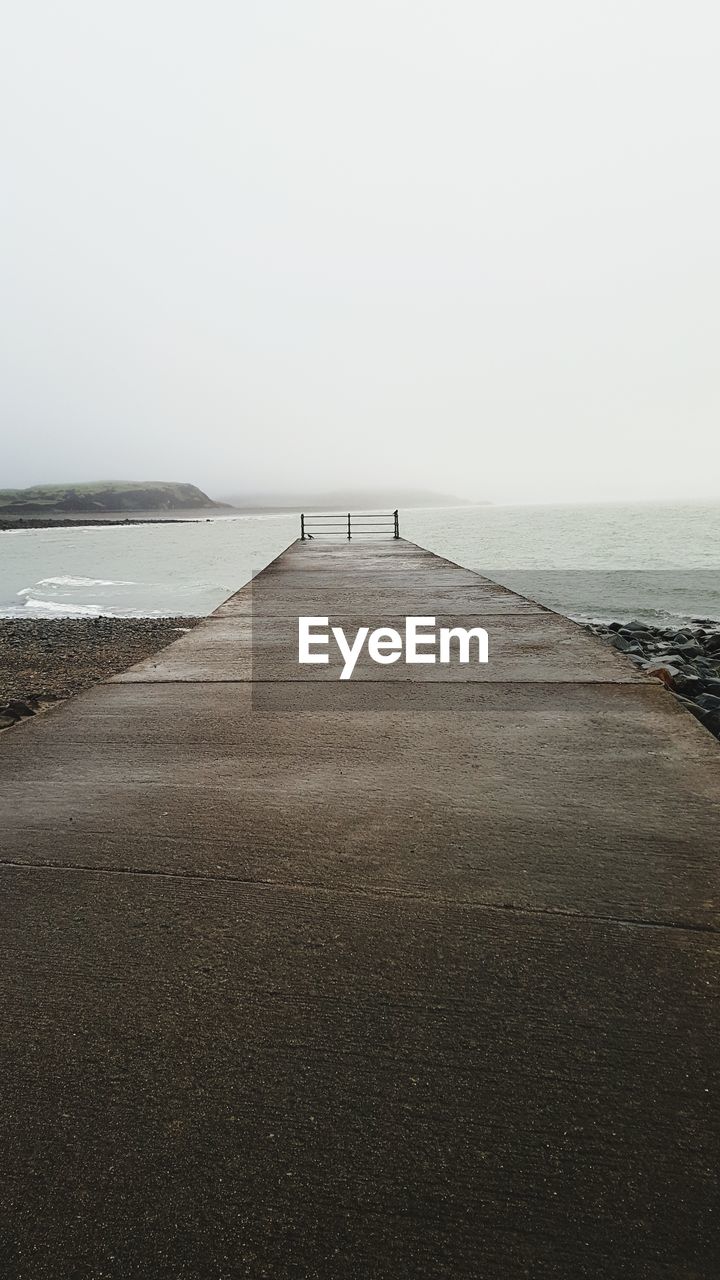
(686, 660)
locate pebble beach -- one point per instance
(43, 661)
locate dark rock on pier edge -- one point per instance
(685, 659)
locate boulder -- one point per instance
(689, 649)
(708, 701)
(619, 641)
(688, 684)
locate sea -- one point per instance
(658, 562)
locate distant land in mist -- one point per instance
(344, 500)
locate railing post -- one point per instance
(302, 525)
(349, 533)
(397, 524)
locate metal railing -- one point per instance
(374, 523)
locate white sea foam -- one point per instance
(62, 607)
(84, 582)
(58, 609)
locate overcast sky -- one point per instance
(273, 243)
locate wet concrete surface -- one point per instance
(527, 646)
(385, 980)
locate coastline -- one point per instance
(12, 524)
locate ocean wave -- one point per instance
(83, 582)
(62, 583)
(56, 606)
(58, 609)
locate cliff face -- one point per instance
(96, 499)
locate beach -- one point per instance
(43, 661)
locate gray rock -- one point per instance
(708, 701)
(689, 685)
(689, 649)
(619, 641)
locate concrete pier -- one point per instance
(382, 979)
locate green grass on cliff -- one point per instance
(102, 496)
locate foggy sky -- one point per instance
(464, 245)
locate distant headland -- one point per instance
(103, 498)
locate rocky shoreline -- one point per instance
(685, 659)
(43, 661)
